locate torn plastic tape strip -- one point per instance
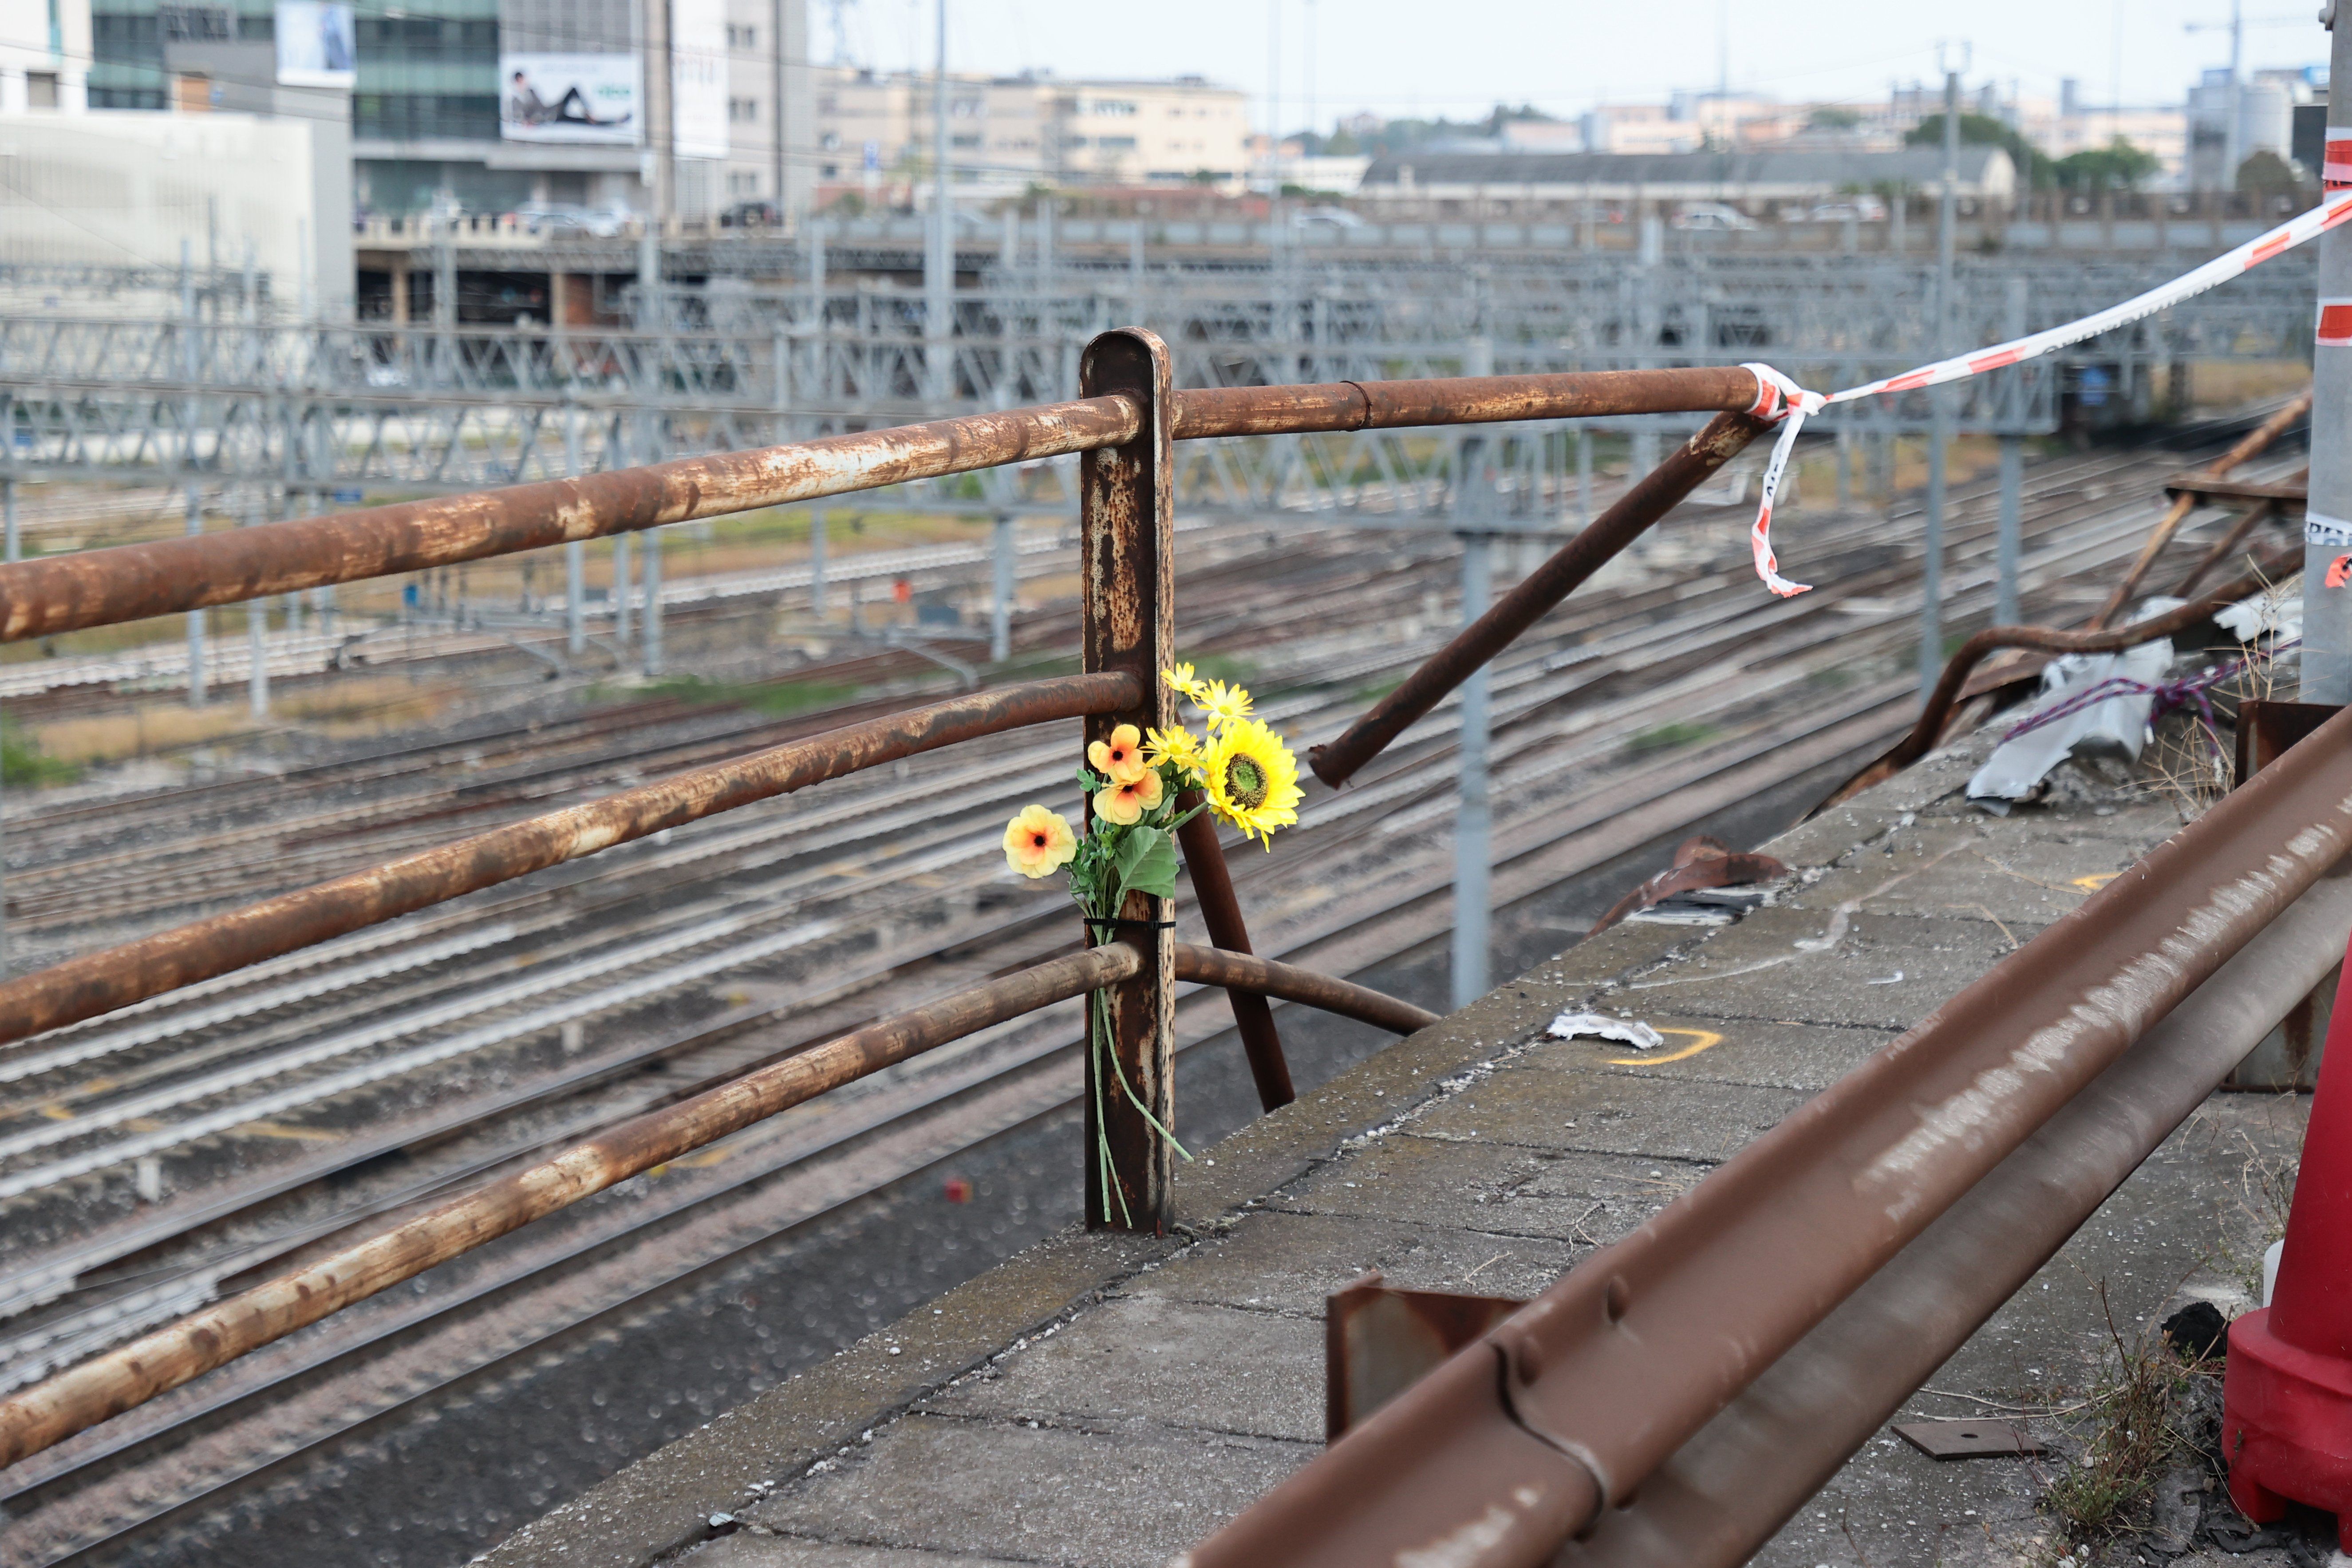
(2328, 533)
(2336, 164)
(2334, 328)
(2332, 210)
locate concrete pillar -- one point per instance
(2327, 521)
(622, 590)
(652, 601)
(11, 546)
(256, 649)
(1000, 619)
(197, 675)
(2013, 492)
(1583, 474)
(1473, 822)
(816, 563)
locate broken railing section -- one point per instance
(2186, 495)
(1955, 685)
(1123, 428)
(1523, 1440)
(1656, 494)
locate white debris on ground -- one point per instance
(1595, 1026)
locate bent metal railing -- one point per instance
(1123, 425)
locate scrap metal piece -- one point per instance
(1970, 1439)
(1699, 861)
(1379, 1342)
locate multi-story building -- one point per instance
(679, 107)
(44, 54)
(874, 133)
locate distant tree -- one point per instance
(1830, 118)
(2033, 167)
(2117, 166)
(2267, 174)
(1343, 144)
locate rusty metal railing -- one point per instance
(1122, 427)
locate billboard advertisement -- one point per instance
(588, 98)
(315, 44)
(697, 42)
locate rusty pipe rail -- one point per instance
(115, 977)
(1658, 493)
(2252, 443)
(130, 1375)
(136, 582)
(1247, 972)
(1952, 684)
(1522, 1440)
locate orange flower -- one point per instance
(1121, 758)
(1039, 842)
(1123, 804)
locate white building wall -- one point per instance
(33, 56)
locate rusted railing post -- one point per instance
(1221, 917)
(1127, 543)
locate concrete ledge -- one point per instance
(1106, 1399)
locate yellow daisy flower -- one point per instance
(1039, 842)
(1121, 758)
(1123, 804)
(1252, 779)
(1182, 681)
(1177, 747)
(1221, 704)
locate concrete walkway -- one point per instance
(1105, 1400)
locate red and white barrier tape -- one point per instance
(1779, 397)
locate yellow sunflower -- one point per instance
(1252, 779)
(1176, 746)
(1221, 704)
(1039, 842)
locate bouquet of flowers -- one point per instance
(1133, 782)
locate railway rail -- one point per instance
(1703, 654)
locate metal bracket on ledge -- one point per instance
(1377, 1342)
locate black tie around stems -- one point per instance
(1101, 921)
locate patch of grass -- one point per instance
(1376, 691)
(23, 760)
(1668, 737)
(777, 698)
(1225, 668)
(2133, 1423)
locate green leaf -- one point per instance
(1146, 863)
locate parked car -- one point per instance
(1712, 217)
(558, 218)
(1860, 209)
(1327, 218)
(750, 215)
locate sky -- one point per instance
(1419, 58)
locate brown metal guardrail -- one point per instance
(1122, 428)
(1532, 1434)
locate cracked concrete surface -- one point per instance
(1109, 1400)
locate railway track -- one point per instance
(153, 1158)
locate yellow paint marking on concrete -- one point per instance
(56, 1113)
(1706, 1039)
(2095, 880)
